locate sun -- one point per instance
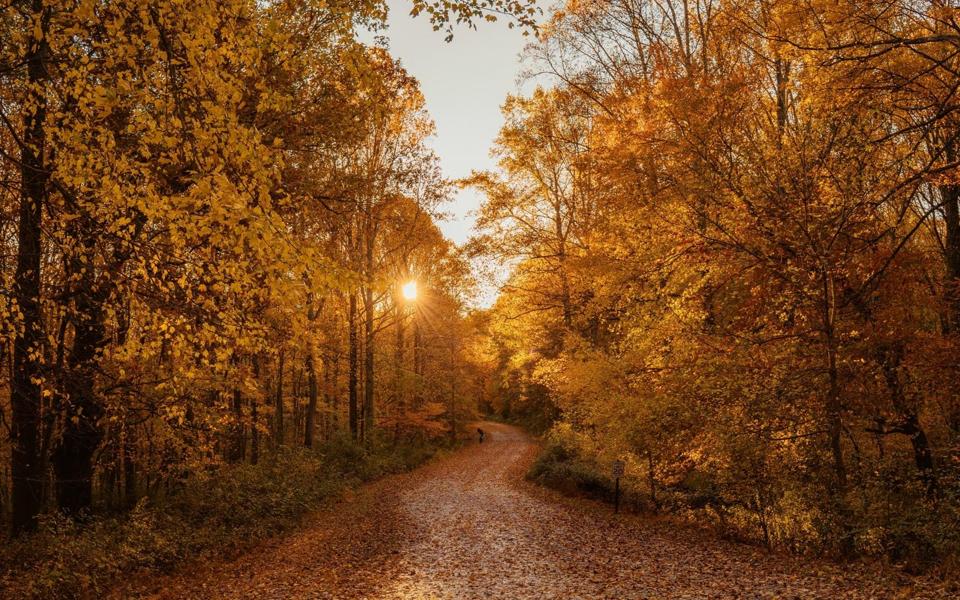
(410, 290)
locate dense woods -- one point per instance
(734, 234)
(208, 211)
(730, 232)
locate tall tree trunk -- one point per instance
(360, 387)
(833, 404)
(453, 398)
(565, 301)
(278, 402)
(368, 310)
(782, 68)
(834, 412)
(368, 416)
(353, 368)
(254, 431)
(238, 438)
(950, 196)
(295, 398)
(417, 361)
(951, 210)
(25, 391)
(908, 419)
(81, 411)
(255, 413)
(335, 390)
(400, 400)
(310, 427)
(129, 467)
(328, 396)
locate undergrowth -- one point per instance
(891, 528)
(219, 513)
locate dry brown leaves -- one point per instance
(470, 527)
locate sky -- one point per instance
(464, 83)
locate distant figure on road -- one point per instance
(480, 431)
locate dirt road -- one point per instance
(468, 526)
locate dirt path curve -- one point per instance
(468, 527)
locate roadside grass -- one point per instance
(221, 513)
(912, 545)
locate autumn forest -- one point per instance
(719, 254)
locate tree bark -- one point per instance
(833, 404)
(835, 415)
(25, 389)
(129, 468)
(254, 432)
(329, 396)
(278, 402)
(565, 301)
(309, 429)
(909, 421)
(73, 459)
(417, 361)
(335, 390)
(353, 367)
(399, 399)
(238, 438)
(368, 308)
(950, 197)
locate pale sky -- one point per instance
(464, 82)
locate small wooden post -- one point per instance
(616, 497)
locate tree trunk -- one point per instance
(368, 416)
(278, 403)
(834, 412)
(834, 409)
(835, 415)
(417, 362)
(368, 308)
(398, 357)
(81, 412)
(327, 423)
(255, 412)
(453, 405)
(25, 391)
(352, 368)
(254, 432)
(335, 390)
(310, 427)
(129, 468)
(950, 196)
(238, 438)
(909, 421)
(565, 301)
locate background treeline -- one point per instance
(208, 209)
(734, 231)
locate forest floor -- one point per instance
(469, 526)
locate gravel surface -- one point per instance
(468, 526)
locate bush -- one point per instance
(560, 467)
(557, 468)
